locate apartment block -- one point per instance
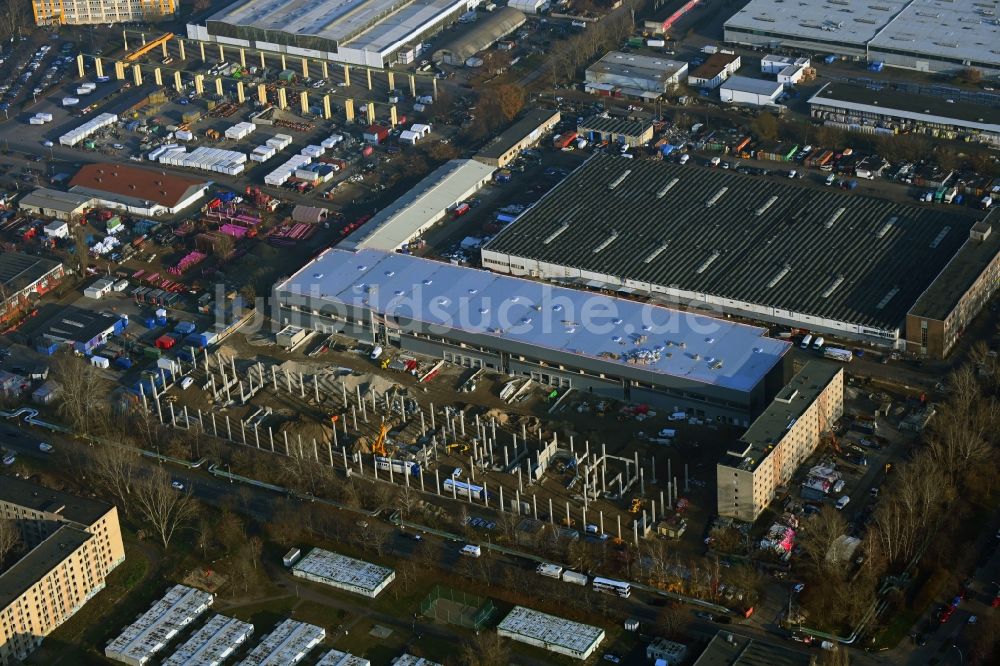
(780, 440)
(72, 543)
(87, 12)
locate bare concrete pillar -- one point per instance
(178, 84)
(79, 66)
(413, 86)
(240, 94)
(347, 76)
(304, 101)
(99, 66)
(324, 68)
(243, 58)
(157, 77)
(164, 50)
(136, 75)
(218, 86)
(349, 110)
(305, 68)
(262, 98)
(391, 79)
(201, 47)
(180, 47)
(327, 114)
(282, 99)
(222, 53)
(369, 73)
(199, 84)
(392, 115)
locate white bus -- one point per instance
(616, 587)
(842, 355)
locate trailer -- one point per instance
(549, 570)
(834, 354)
(574, 577)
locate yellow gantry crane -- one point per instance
(149, 46)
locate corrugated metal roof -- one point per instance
(721, 233)
(485, 32)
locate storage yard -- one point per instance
(345, 573)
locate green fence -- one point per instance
(462, 609)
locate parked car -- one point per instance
(45, 448)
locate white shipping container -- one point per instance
(35, 121)
(47, 117)
(70, 101)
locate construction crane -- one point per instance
(148, 46)
(378, 448)
(636, 505)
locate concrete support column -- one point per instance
(305, 67)
(262, 93)
(120, 71)
(326, 108)
(199, 84)
(282, 99)
(201, 47)
(434, 84)
(218, 86)
(137, 75)
(413, 86)
(368, 73)
(99, 66)
(157, 77)
(163, 48)
(391, 78)
(222, 53)
(304, 101)
(240, 95)
(347, 75)
(243, 57)
(349, 110)
(284, 62)
(392, 116)
(325, 68)
(180, 46)
(371, 119)
(178, 84)
(263, 64)
(79, 66)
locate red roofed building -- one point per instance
(137, 190)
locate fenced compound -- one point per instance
(462, 609)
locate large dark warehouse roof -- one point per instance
(814, 251)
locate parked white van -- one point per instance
(806, 341)
(818, 343)
(842, 502)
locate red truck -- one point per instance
(460, 210)
(564, 139)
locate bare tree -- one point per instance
(164, 508)
(12, 17)
(10, 538)
(115, 468)
(84, 393)
(486, 649)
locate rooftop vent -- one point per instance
(887, 227)
(764, 206)
(607, 241)
(715, 197)
(940, 237)
(888, 297)
(833, 218)
(666, 188)
(619, 180)
(833, 286)
(655, 253)
(708, 262)
(785, 270)
(555, 234)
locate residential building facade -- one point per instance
(72, 544)
(89, 12)
(780, 440)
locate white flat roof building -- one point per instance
(551, 633)
(410, 660)
(421, 207)
(288, 644)
(151, 632)
(744, 90)
(359, 32)
(212, 644)
(925, 35)
(635, 73)
(345, 573)
(338, 658)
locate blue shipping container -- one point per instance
(123, 362)
(185, 328)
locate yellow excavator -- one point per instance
(378, 448)
(636, 505)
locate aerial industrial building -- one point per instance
(486, 32)
(527, 131)
(551, 633)
(753, 92)
(923, 35)
(779, 440)
(345, 573)
(634, 75)
(353, 32)
(606, 346)
(815, 258)
(877, 109)
(25, 278)
(71, 545)
(141, 191)
(622, 131)
(149, 634)
(426, 203)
